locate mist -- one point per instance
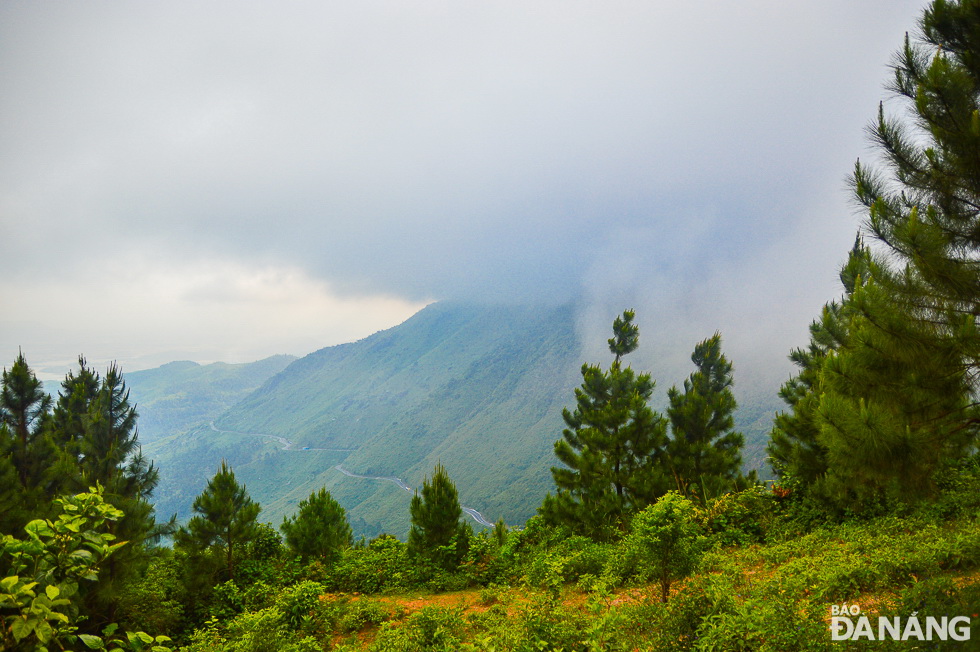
(230, 181)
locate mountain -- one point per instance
(479, 388)
(179, 395)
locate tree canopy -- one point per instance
(612, 449)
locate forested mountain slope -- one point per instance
(179, 395)
(479, 388)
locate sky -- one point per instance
(228, 181)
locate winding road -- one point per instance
(477, 516)
(286, 444)
(290, 446)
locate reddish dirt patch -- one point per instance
(469, 601)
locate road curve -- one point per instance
(477, 516)
(290, 446)
(286, 444)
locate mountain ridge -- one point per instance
(479, 388)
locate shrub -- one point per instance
(384, 564)
(361, 614)
(738, 519)
(431, 628)
(298, 603)
(666, 539)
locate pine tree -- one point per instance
(69, 420)
(95, 427)
(320, 529)
(795, 451)
(704, 452)
(899, 397)
(27, 455)
(612, 447)
(925, 206)
(226, 518)
(109, 436)
(68, 425)
(893, 395)
(436, 531)
(14, 514)
(23, 408)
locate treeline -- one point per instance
(620, 456)
(86, 438)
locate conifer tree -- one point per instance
(890, 411)
(704, 452)
(924, 206)
(13, 511)
(78, 393)
(109, 448)
(612, 447)
(795, 451)
(95, 426)
(899, 396)
(320, 529)
(69, 423)
(27, 454)
(23, 408)
(436, 531)
(225, 517)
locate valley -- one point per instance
(479, 388)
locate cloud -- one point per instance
(148, 312)
(651, 152)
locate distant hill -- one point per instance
(479, 388)
(179, 395)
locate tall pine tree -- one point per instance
(436, 531)
(796, 452)
(704, 453)
(27, 454)
(23, 408)
(225, 519)
(612, 449)
(898, 396)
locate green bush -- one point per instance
(156, 600)
(666, 540)
(742, 518)
(430, 629)
(299, 603)
(566, 562)
(382, 565)
(253, 631)
(361, 614)
(485, 562)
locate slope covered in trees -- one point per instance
(180, 395)
(480, 388)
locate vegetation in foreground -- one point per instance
(752, 570)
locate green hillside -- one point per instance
(180, 395)
(479, 388)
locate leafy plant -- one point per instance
(666, 539)
(39, 600)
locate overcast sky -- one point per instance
(227, 181)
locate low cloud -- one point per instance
(353, 162)
(148, 312)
